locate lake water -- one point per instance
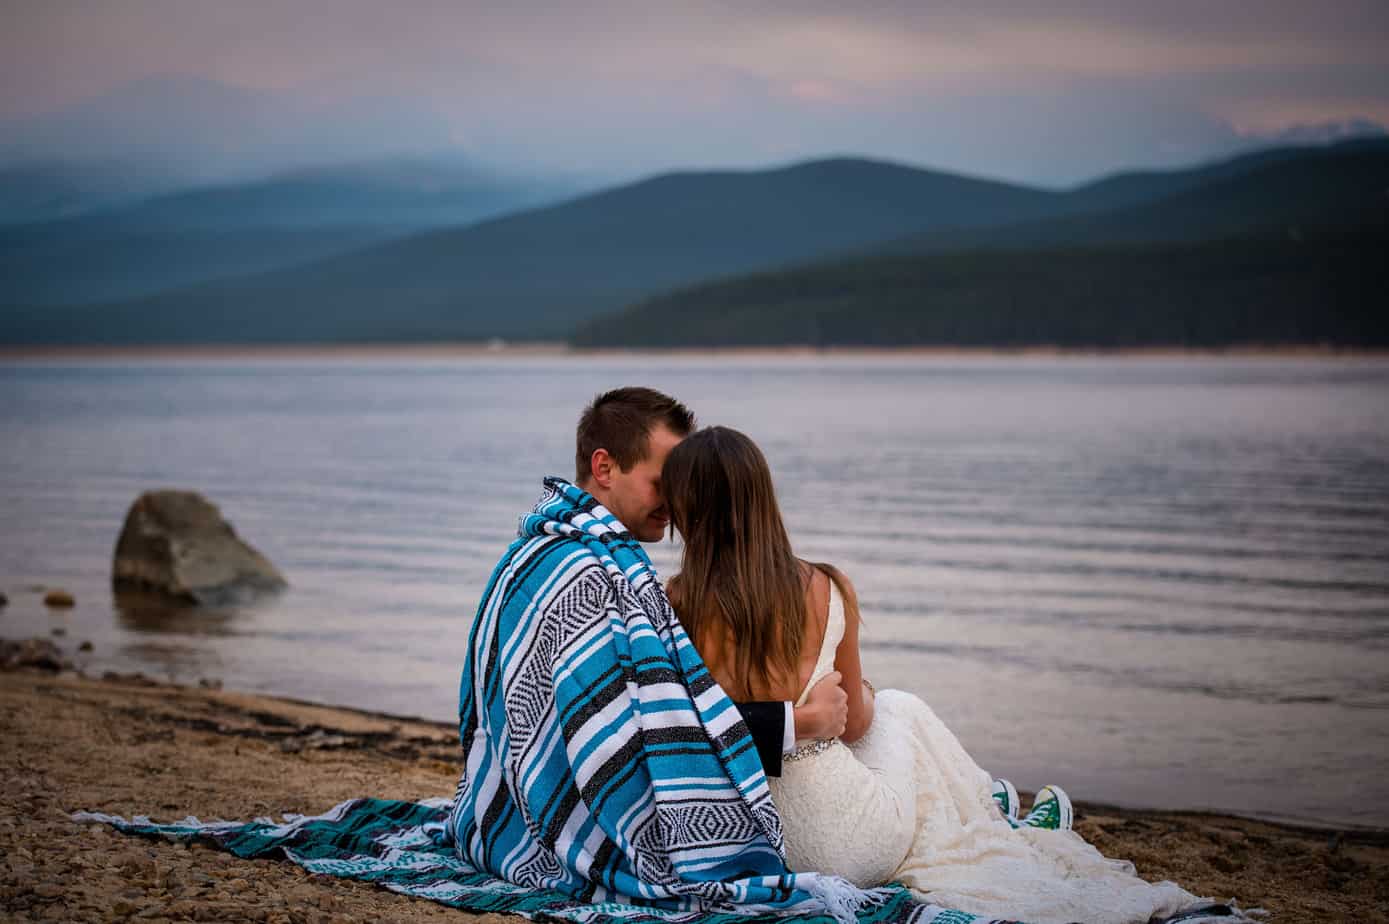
(1157, 582)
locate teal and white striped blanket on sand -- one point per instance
(606, 777)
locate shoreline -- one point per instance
(130, 745)
(1311, 827)
(532, 349)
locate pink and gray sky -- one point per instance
(1046, 91)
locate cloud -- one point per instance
(1043, 91)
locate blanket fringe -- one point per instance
(840, 897)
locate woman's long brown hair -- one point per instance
(739, 581)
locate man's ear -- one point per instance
(603, 466)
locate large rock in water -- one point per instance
(176, 543)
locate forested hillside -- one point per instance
(1326, 288)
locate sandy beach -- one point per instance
(129, 745)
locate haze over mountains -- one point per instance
(185, 130)
(551, 272)
(171, 180)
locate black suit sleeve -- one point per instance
(767, 723)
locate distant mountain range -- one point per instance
(553, 272)
(52, 188)
(401, 193)
(189, 236)
(1342, 185)
(1289, 250)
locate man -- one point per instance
(600, 757)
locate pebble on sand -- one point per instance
(59, 599)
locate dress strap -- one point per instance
(834, 634)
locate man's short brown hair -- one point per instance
(621, 422)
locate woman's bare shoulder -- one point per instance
(815, 574)
(826, 574)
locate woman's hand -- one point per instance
(826, 710)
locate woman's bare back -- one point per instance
(718, 650)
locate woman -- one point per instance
(896, 798)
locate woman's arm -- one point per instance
(846, 661)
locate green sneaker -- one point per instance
(1051, 809)
(1007, 798)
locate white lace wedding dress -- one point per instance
(905, 803)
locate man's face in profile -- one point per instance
(635, 497)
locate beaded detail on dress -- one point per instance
(809, 749)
